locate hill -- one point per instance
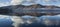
(24, 10)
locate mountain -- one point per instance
(21, 9)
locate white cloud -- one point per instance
(26, 2)
(4, 4)
(16, 2)
(30, 2)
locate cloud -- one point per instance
(30, 2)
(26, 2)
(47, 0)
(4, 4)
(16, 2)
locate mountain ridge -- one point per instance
(19, 9)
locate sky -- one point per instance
(29, 2)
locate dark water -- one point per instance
(5, 23)
(8, 23)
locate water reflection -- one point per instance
(30, 21)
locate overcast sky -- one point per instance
(28, 2)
